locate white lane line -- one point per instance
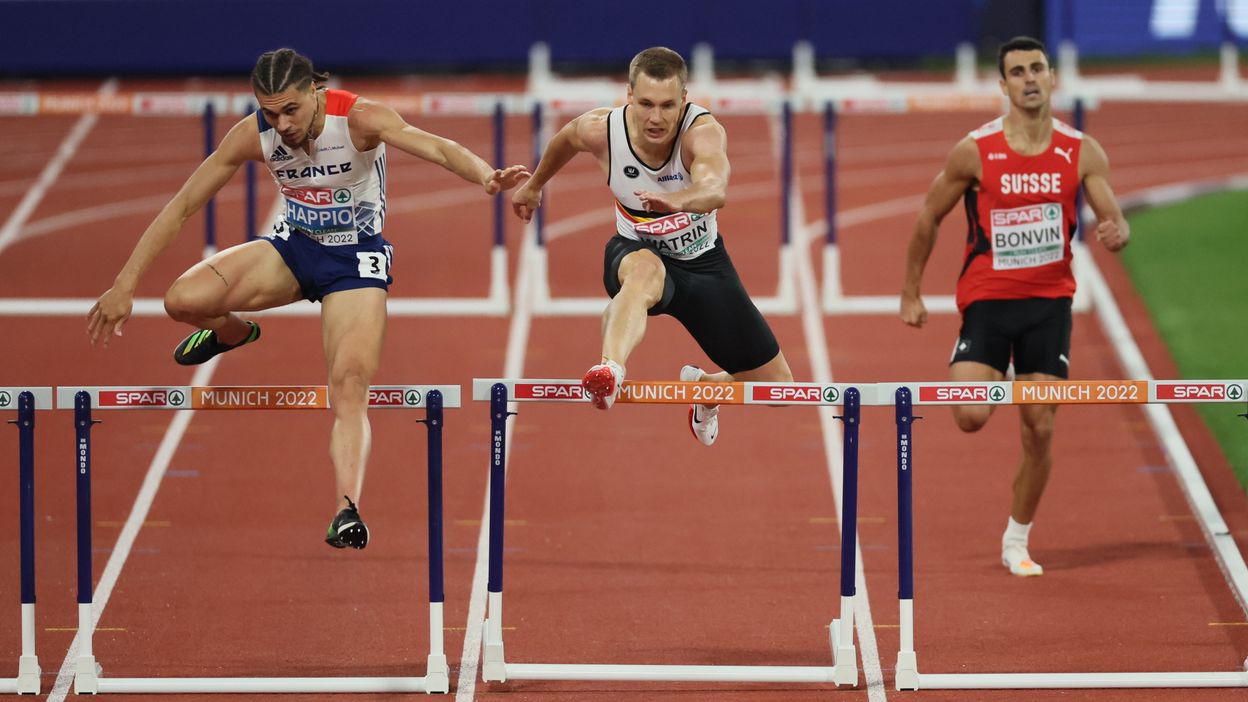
(821, 368)
(130, 530)
(8, 233)
(513, 367)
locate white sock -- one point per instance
(1015, 532)
(619, 370)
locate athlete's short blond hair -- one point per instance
(660, 63)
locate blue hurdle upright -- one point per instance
(26, 401)
(495, 668)
(89, 678)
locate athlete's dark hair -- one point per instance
(278, 70)
(1020, 43)
(660, 63)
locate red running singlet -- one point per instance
(1021, 219)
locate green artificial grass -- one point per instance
(1190, 263)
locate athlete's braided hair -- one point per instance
(278, 70)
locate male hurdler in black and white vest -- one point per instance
(667, 167)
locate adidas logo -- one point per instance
(280, 154)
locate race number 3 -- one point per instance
(372, 265)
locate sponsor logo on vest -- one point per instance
(670, 223)
(280, 154)
(1026, 237)
(674, 176)
(631, 171)
(319, 210)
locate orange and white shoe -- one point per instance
(703, 420)
(1015, 557)
(602, 384)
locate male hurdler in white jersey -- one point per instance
(666, 165)
(326, 151)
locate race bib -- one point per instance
(320, 210)
(682, 235)
(1027, 237)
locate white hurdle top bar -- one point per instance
(1058, 392)
(249, 397)
(8, 397)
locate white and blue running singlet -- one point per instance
(335, 195)
(679, 235)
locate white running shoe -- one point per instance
(703, 421)
(602, 384)
(1015, 557)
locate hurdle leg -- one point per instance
(844, 655)
(86, 670)
(28, 673)
(493, 665)
(907, 670)
(29, 676)
(437, 672)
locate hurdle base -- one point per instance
(844, 658)
(1035, 681)
(493, 669)
(437, 675)
(907, 675)
(670, 673)
(238, 686)
(87, 676)
(28, 675)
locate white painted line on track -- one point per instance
(821, 369)
(513, 367)
(130, 530)
(32, 198)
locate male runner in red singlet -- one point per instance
(666, 164)
(1019, 175)
(326, 150)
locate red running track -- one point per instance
(630, 543)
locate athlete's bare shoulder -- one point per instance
(1092, 158)
(590, 130)
(368, 117)
(706, 132)
(963, 162)
(242, 142)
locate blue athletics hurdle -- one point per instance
(498, 392)
(908, 676)
(89, 678)
(26, 401)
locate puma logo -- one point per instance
(1064, 154)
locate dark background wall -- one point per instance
(76, 37)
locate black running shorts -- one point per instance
(1034, 331)
(707, 297)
